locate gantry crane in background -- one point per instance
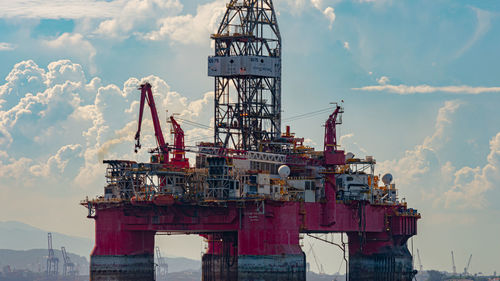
(319, 266)
(420, 266)
(69, 268)
(466, 269)
(52, 260)
(453, 264)
(161, 266)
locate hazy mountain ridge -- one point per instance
(20, 236)
(36, 260)
(23, 246)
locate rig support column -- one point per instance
(379, 257)
(268, 245)
(120, 255)
(220, 262)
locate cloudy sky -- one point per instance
(420, 81)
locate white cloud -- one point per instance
(383, 80)
(329, 13)
(420, 166)
(443, 184)
(58, 162)
(346, 45)
(483, 26)
(471, 185)
(70, 122)
(138, 16)
(318, 4)
(6, 46)
(73, 44)
(57, 9)
(188, 28)
(426, 89)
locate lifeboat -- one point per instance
(163, 200)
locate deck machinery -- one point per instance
(254, 190)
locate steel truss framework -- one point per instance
(248, 107)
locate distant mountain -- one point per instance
(182, 264)
(20, 236)
(36, 260)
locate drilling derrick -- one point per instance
(247, 71)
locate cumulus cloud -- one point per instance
(383, 80)
(73, 44)
(471, 184)
(443, 184)
(329, 13)
(138, 16)
(426, 89)
(6, 46)
(189, 28)
(346, 45)
(58, 9)
(59, 119)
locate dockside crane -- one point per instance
(319, 266)
(162, 267)
(466, 269)
(453, 264)
(52, 260)
(162, 147)
(420, 266)
(69, 268)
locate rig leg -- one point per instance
(268, 245)
(120, 255)
(379, 257)
(220, 262)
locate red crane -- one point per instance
(162, 147)
(333, 156)
(179, 159)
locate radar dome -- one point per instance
(387, 179)
(349, 155)
(284, 171)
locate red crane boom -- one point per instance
(179, 159)
(147, 95)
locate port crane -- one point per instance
(453, 264)
(68, 267)
(319, 266)
(162, 266)
(420, 266)
(52, 260)
(466, 269)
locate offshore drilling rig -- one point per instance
(255, 189)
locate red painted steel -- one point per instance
(147, 95)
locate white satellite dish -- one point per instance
(349, 155)
(284, 171)
(387, 179)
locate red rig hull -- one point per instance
(252, 240)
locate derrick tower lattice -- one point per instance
(247, 71)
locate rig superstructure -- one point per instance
(254, 190)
